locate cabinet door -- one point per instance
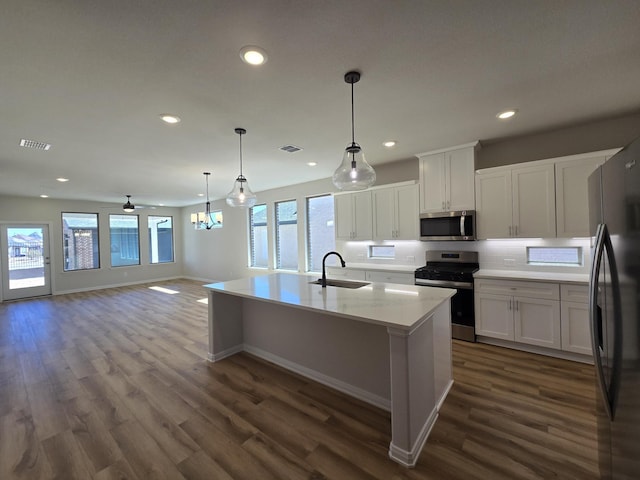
(572, 209)
(460, 170)
(362, 216)
(384, 217)
(534, 201)
(494, 317)
(493, 204)
(407, 212)
(432, 183)
(537, 321)
(576, 335)
(343, 216)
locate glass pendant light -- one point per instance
(241, 195)
(207, 220)
(354, 173)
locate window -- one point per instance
(554, 255)
(287, 235)
(320, 231)
(382, 251)
(160, 239)
(258, 241)
(125, 244)
(80, 241)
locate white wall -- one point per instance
(19, 210)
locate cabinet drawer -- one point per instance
(390, 277)
(541, 290)
(574, 293)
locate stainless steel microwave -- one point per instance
(459, 225)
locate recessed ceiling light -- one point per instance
(62, 179)
(312, 164)
(390, 143)
(168, 118)
(506, 114)
(44, 196)
(201, 194)
(253, 55)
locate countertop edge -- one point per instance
(577, 278)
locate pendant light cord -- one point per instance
(353, 136)
(240, 134)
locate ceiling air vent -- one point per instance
(33, 144)
(290, 148)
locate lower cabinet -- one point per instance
(545, 314)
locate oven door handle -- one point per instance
(443, 283)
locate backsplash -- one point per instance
(507, 254)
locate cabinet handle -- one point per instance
(516, 231)
(510, 230)
(516, 302)
(509, 304)
(443, 206)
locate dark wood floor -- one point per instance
(114, 384)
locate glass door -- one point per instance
(25, 261)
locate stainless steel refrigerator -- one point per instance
(614, 309)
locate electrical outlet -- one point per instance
(411, 258)
(360, 256)
(509, 262)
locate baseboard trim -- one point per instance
(410, 458)
(549, 352)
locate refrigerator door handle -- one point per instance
(609, 392)
(595, 315)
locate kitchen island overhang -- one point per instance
(386, 344)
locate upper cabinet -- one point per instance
(572, 198)
(545, 198)
(395, 213)
(447, 179)
(353, 216)
(516, 202)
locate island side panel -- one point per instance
(225, 325)
(443, 361)
(346, 354)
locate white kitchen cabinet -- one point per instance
(390, 277)
(395, 213)
(353, 216)
(447, 179)
(572, 209)
(574, 315)
(516, 202)
(525, 312)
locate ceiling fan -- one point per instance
(129, 207)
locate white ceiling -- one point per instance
(92, 76)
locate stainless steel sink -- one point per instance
(341, 283)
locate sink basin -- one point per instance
(341, 283)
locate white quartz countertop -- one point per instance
(533, 276)
(388, 304)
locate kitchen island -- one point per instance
(386, 344)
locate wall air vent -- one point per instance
(290, 148)
(33, 144)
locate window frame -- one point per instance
(173, 242)
(65, 244)
(111, 242)
(277, 234)
(308, 234)
(251, 235)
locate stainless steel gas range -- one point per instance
(451, 269)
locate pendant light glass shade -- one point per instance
(354, 173)
(241, 195)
